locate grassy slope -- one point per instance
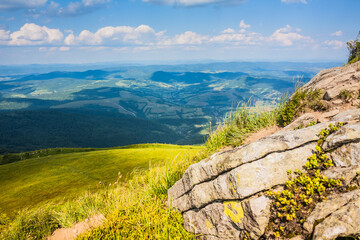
(32, 182)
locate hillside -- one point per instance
(33, 182)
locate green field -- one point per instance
(32, 182)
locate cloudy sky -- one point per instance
(154, 31)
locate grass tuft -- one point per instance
(237, 125)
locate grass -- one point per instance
(138, 204)
(33, 182)
(237, 125)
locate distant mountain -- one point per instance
(120, 105)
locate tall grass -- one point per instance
(237, 125)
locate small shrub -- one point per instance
(299, 102)
(345, 95)
(354, 50)
(237, 125)
(302, 191)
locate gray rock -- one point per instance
(347, 116)
(341, 223)
(246, 180)
(346, 155)
(348, 173)
(326, 208)
(257, 215)
(346, 134)
(222, 220)
(300, 122)
(219, 163)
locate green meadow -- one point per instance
(33, 182)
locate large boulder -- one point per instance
(223, 196)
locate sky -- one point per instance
(170, 31)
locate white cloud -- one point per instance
(229, 30)
(187, 38)
(243, 25)
(294, 1)
(19, 4)
(337, 33)
(32, 34)
(286, 37)
(64, 49)
(335, 44)
(142, 34)
(193, 3)
(242, 37)
(4, 35)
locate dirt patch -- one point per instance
(77, 229)
(261, 134)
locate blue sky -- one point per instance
(161, 31)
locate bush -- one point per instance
(354, 50)
(300, 101)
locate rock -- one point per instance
(218, 219)
(347, 116)
(301, 122)
(257, 215)
(348, 173)
(219, 163)
(245, 180)
(332, 204)
(333, 81)
(346, 155)
(330, 114)
(346, 134)
(344, 222)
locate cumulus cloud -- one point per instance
(142, 34)
(194, 3)
(286, 36)
(335, 44)
(294, 1)
(32, 34)
(337, 33)
(187, 38)
(21, 4)
(243, 25)
(4, 35)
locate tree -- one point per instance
(354, 49)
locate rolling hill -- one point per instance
(35, 181)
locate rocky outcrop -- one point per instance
(335, 80)
(223, 196)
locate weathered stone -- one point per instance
(348, 173)
(330, 114)
(342, 223)
(332, 204)
(218, 219)
(257, 215)
(219, 163)
(300, 122)
(346, 134)
(246, 180)
(346, 155)
(347, 116)
(334, 80)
